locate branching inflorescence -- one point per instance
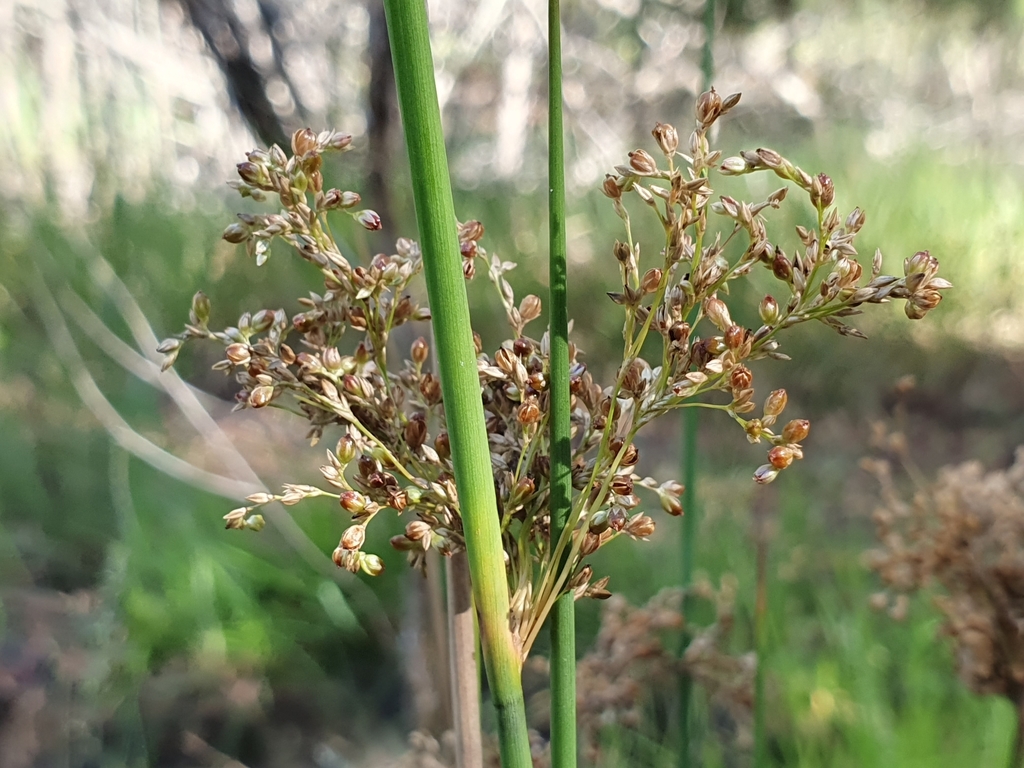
(393, 451)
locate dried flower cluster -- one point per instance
(963, 536)
(632, 662)
(631, 659)
(392, 450)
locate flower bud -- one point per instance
(303, 141)
(371, 565)
(169, 345)
(740, 378)
(651, 280)
(796, 431)
(776, 403)
(780, 456)
(417, 530)
(529, 308)
(338, 140)
(599, 522)
(640, 527)
(352, 501)
(617, 518)
(781, 266)
(416, 431)
(733, 166)
(823, 191)
(622, 252)
(353, 537)
(238, 354)
(855, 221)
(420, 351)
(235, 519)
(345, 450)
(667, 138)
(734, 337)
(369, 220)
(528, 412)
(332, 359)
(768, 311)
(236, 233)
(443, 446)
(524, 488)
(430, 388)
(260, 396)
(718, 313)
(641, 161)
(255, 523)
(250, 173)
(709, 107)
(769, 158)
(754, 428)
(590, 545)
(671, 504)
(765, 474)
(611, 188)
(679, 334)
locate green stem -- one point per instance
(690, 424)
(690, 459)
(1017, 751)
(442, 263)
(760, 643)
(563, 617)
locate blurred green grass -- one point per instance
(846, 686)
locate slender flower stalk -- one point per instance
(563, 617)
(691, 422)
(442, 263)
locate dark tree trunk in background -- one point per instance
(228, 41)
(381, 115)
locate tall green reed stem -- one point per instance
(760, 628)
(442, 263)
(690, 425)
(563, 617)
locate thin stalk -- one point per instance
(760, 643)
(442, 264)
(1016, 698)
(465, 681)
(563, 617)
(690, 424)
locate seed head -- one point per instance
(261, 396)
(303, 141)
(369, 220)
(768, 310)
(639, 527)
(781, 456)
(775, 404)
(641, 161)
(709, 107)
(796, 431)
(353, 537)
(667, 138)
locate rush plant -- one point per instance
(467, 457)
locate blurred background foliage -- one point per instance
(136, 631)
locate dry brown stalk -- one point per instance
(961, 539)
